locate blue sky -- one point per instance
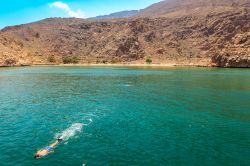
(14, 12)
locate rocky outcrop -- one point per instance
(231, 61)
(129, 49)
(237, 54)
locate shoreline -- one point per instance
(162, 65)
(110, 65)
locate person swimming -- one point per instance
(45, 151)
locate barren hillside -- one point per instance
(179, 8)
(208, 33)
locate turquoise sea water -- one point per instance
(125, 116)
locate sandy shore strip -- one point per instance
(114, 65)
(136, 65)
(122, 65)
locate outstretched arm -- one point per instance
(55, 144)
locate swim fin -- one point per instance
(59, 139)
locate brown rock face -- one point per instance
(203, 32)
(231, 61)
(179, 8)
(236, 56)
(129, 49)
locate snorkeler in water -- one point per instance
(45, 151)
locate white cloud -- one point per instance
(78, 13)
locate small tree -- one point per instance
(114, 60)
(104, 61)
(149, 60)
(51, 59)
(70, 60)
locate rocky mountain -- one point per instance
(122, 14)
(180, 8)
(195, 32)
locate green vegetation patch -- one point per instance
(70, 60)
(51, 59)
(149, 60)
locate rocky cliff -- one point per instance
(209, 34)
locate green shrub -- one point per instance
(70, 60)
(149, 60)
(104, 61)
(114, 60)
(51, 59)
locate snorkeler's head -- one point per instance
(36, 156)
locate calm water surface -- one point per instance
(125, 116)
